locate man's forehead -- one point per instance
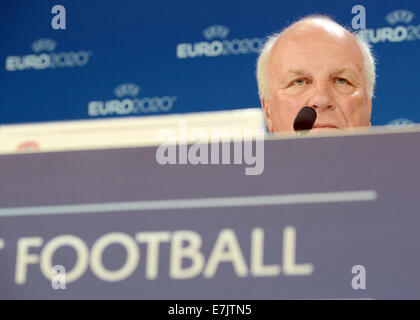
(317, 24)
(316, 32)
(315, 42)
(295, 52)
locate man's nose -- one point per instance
(320, 98)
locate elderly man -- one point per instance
(316, 62)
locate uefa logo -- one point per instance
(401, 123)
(127, 89)
(216, 31)
(43, 45)
(403, 16)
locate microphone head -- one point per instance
(305, 119)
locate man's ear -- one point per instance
(267, 114)
(370, 112)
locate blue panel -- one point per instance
(110, 43)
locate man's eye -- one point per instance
(299, 82)
(342, 81)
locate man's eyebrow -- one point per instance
(345, 70)
(297, 71)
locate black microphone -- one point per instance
(304, 120)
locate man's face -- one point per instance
(321, 69)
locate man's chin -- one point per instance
(324, 129)
(316, 130)
(320, 130)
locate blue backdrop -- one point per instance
(139, 58)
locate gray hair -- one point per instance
(262, 62)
